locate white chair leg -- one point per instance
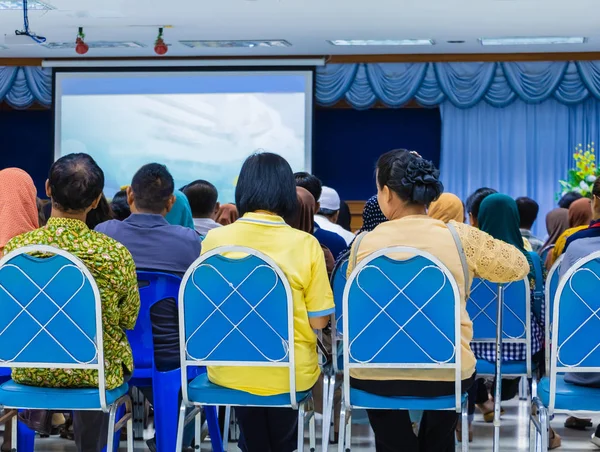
(226, 428)
(348, 439)
(112, 416)
(342, 432)
(523, 388)
(198, 429)
(301, 421)
(533, 388)
(181, 427)
(129, 407)
(465, 426)
(13, 426)
(312, 432)
(328, 408)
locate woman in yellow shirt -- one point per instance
(580, 216)
(406, 185)
(265, 197)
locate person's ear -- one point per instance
(170, 203)
(387, 194)
(96, 202)
(130, 196)
(472, 220)
(48, 190)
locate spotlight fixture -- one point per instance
(160, 48)
(80, 46)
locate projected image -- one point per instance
(201, 125)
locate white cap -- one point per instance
(329, 200)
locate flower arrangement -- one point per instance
(581, 178)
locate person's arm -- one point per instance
(318, 295)
(130, 300)
(492, 259)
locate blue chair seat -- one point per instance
(360, 398)
(569, 396)
(508, 367)
(22, 396)
(202, 390)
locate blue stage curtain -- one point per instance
(464, 85)
(22, 86)
(521, 150)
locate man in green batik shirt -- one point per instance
(75, 184)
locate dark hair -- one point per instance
(568, 199)
(345, 217)
(414, 179)
(75, 182)
(266, 182)
(100, 214)
(120, 206)
(42, 218)
(528, 211)
(474, 201)
(311, 183)
(202, 196)
(152, 187)
(596, 188)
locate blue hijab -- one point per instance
(181, 212)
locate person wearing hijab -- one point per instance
(557, 222)
(181, 212)
(227, 214)
(447, 207)
(372, 215)
(580, 216)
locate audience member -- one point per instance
(446, 208)
(557, 222)
(345, 217)
(406, 185)
(265, 195)
(75, 186)
(202, 196)
(181, 212)
(100, 214)
(119, 206)
(42, 218)
(580, 215)
(372, 215)
(568, 199)
(528, 212)
(327, 215)
(227, 214)
(474, 201)
(334, 242)
(593, 229)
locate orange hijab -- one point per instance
(18, 204)
(447, 207)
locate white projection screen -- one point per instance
(201, 124)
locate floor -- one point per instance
(514, 434)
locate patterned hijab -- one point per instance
(447, 207)
(18, 204)
(181, 212)
(372, 215)
(227, 214)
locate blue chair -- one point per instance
(401, 314)
(238, 312)
(52, 319)
(576, 336)
(516, 326)
(549, 294)
(544, 253)
(155, 287)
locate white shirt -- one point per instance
(324, 223)
(203, 225)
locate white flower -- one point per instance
(591, 179)
(577, 190)
(584, 186)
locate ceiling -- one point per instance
(306, 24)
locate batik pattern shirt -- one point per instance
(113, 268)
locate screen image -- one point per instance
(202, 125)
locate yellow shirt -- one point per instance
(559, 247)
(301, 258)
(486, 257)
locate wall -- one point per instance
(348, 142)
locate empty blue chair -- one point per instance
(238, 312)
(576, 346)
(401, 314)
(549, 294)
(52, 319)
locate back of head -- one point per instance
(474, 201)
(18, 204)
(311, 183)
(372, 215)
(304, 219)
(580, 213)
(329, 202)
(557, 222)
(75, 182)
(528, 211)
(499, 217)
(100, 214)
(119, 206)
(414, 179)
(153, 188)
(266, 183)
(180, 213)
(446, 208)
(568, 199)
(345, 217)
(202, 196)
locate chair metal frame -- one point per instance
(541, 425)
(11, 414)
(548, 299)
(305, 408)
(345, 435)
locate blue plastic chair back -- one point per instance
(236, 310)
(538, 291)
(154, 287)
(576, 328)
(338, 283)
(544, 253)
(549, 295)
(51, 312)
(401, 313)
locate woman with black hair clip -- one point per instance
(406, 185)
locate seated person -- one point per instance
(528, 212)
(446, 208)
(334, 242)
(580, 216)
(119, 205)
(266, 195)
(203, 196)
(406, 184)
(474, 203)
(75, 186)
(329, 212)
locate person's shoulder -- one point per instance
(110, 244)
(329, 235)
(27, 238)
(109, 225)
